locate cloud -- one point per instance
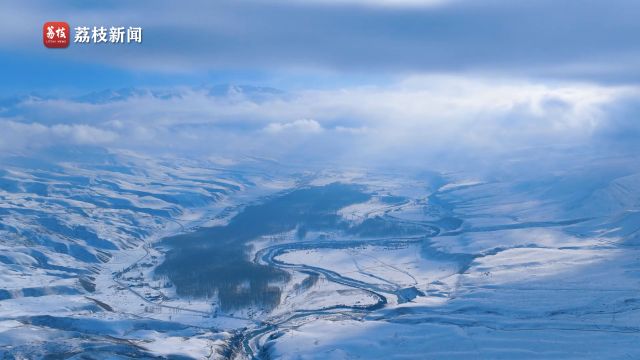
(352, 130)
(83, 134)
(445, 119)
(299, 126)
(17, 136)
(379, 3)
(543, 38)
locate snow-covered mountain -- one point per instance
(64, 216)
(112, 254)
(106, 96)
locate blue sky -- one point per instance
(361, 78)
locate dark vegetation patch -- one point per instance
(213, 261)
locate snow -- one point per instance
(522, 266)
(398, 266)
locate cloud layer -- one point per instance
(418, 119)
(574, 39)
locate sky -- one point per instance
(350, 80)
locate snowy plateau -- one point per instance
(113, 255)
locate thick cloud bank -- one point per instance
(418, 119)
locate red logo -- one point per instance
(55, 34)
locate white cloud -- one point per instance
(420, 118)
(299, 126)
(17, 135)
(83, 134)
(352, 130)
